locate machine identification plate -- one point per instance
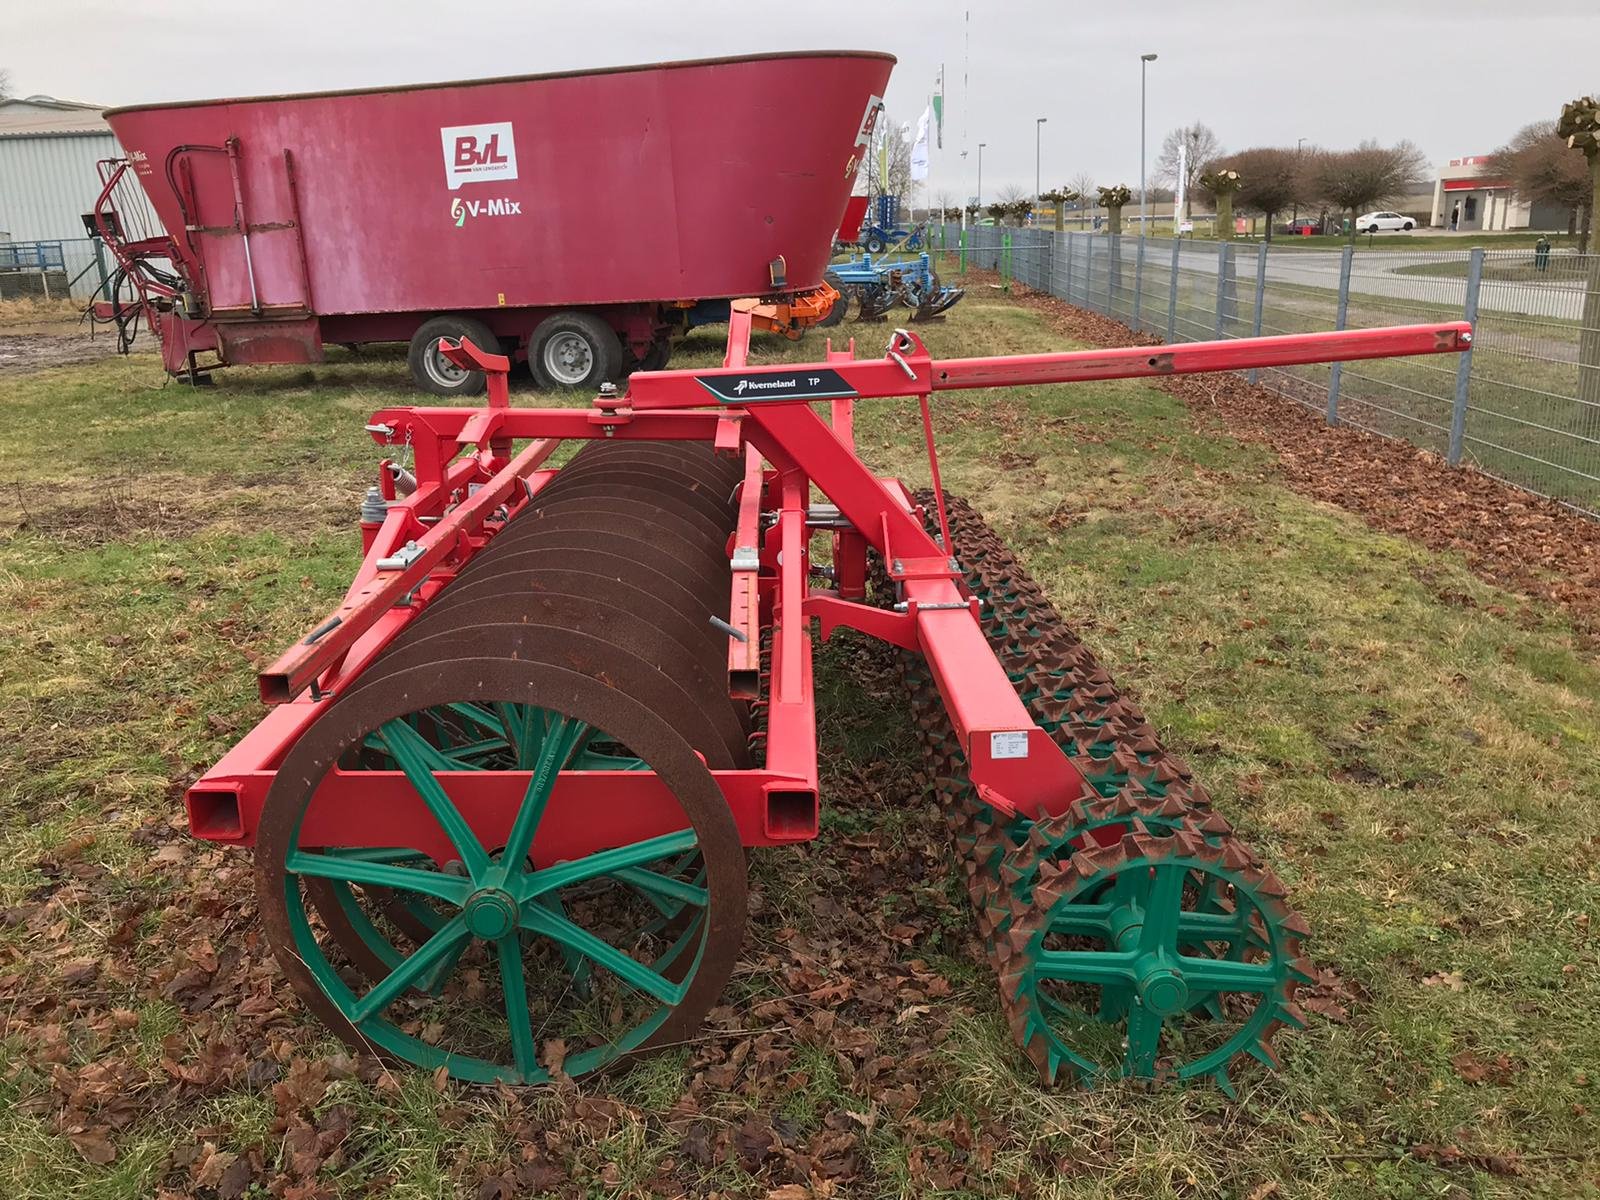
(817, 383)
(1009, 744)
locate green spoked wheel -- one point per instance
(465, 944)
(1158, 957)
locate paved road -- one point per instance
(1375, 274)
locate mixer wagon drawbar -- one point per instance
(501, 805)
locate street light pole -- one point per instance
(981, 145)
(1038, 124)
(1144, 201)
(1295, 215)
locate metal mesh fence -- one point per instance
(1523, 405)
(60, 270)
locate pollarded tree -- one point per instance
(1542, 169)
(1199, 147)
(1221, 183)
(1369, 175)
(1269, 181)
(1112, 199)
(1579, 124)
(1059, 198)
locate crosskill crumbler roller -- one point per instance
(501, 801)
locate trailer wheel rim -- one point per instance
(568, 357)
(440, 369)
(500, 901)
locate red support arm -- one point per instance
(908, 369)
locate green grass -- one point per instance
(1413, 750)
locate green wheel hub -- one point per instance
(491, 913)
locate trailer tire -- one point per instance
(657, 357)
(575, 350)
(434, 374)
(841, 306)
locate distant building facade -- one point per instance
(1479, 200)
(48, 179)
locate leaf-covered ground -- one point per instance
(1411, 745)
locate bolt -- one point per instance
(608, 388)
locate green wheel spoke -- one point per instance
(1212, 927)
(577, 966)
(677, 889)
(1162, 906)
(347, 870)
(362, 924)
(481, 717)
(1144, 1041)
(524, 1051)
(1224, 975)
(606, 862)
(412, 752)
(561, 738)
(409, 972)
(377, 854)
(1088, 920)
(1108, 968)
(433, 982)
(630, 971)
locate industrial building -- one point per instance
(48, 180)
(1479, 200)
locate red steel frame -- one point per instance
(470, 482)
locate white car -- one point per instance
(1374, 221)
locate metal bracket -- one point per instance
(746, 558)
(400, 559)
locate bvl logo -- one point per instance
(478, 153)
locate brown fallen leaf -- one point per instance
(1445, 979)
(94, 1145)
(1263, 1190)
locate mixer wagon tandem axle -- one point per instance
(582, 220)
(501, 803)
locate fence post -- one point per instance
(1113, 272)
(1469, 314)
(1261, 294)
(1005, 263)
(1138, 277)
(1222, 284)
(1172, 290)
(1339, 323)
(1068, 296)
(1088, 272)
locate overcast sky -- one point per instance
(1455, 76)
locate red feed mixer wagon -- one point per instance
(577, 221)
(501, 804)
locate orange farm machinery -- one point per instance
(501, 802)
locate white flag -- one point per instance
(919, 149)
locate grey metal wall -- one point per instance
(48, 181)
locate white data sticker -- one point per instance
(1011, 744)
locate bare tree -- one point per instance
(1543, 170)
(897, 181)
(1202, 148)
(1352, 180)
(5, 83)
(1083, 183)
(1269, 180)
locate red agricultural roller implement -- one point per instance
(501, 803)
